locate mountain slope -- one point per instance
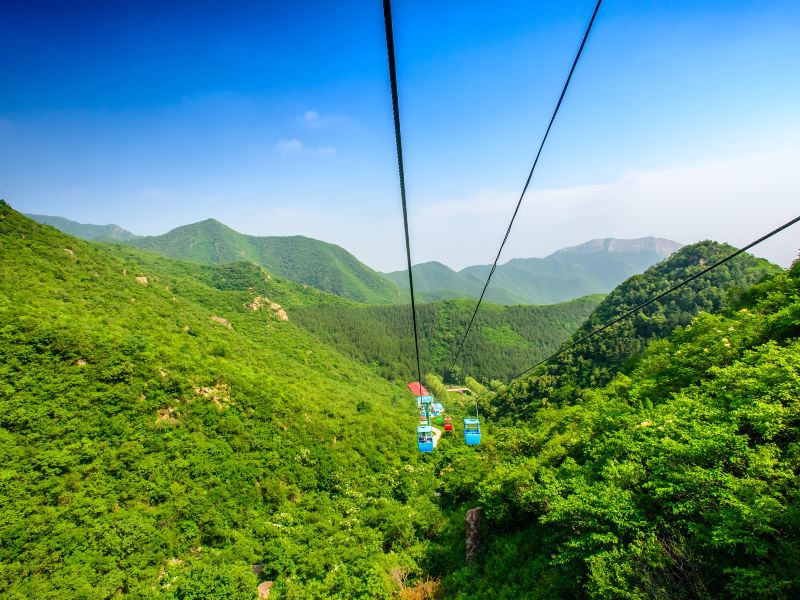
(319, 264)
(595, 267)
(503, 341)
(436, 281)
(163, 427)
(103, 233)
(676, 480)
(596, 361)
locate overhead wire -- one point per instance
(655, 298)
(527, 181)
(387, 17)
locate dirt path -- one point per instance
(437, 433)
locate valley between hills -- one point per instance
(202, 413)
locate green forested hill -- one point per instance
(162, 428)
(435, 281)
(677, 480)
(504, 339)
(164, 425)
(595, 362)
(85, 231)
(319, 264)
(595, 267)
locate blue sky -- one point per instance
(682, 121)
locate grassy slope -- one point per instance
(504, 340)
(121, 473)
(304, 260)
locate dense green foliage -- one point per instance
(149, 450)
(592, 268)
(304, 260)
(504, 339)
(595, 362)
(677, 480)
(164, 425)
(85, 231)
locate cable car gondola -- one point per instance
(448, 424)
(425, 438)
(472, 432)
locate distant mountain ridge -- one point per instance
(660, 246)
(325, 266)
(594, 267)
(85, 231)
(436, 281)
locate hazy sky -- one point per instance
(683, 120)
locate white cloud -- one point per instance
(311, 117)
(734, 201)
(315, 120)
(295, 146)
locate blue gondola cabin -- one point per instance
(472, 432)
(425, 438)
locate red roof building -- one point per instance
(418, 389)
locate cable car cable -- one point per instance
(387, 17)
(528, 181)
(655, 298)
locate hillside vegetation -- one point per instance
(304, 260)
(504, 339)
(166, 425)
(676, 480)
(435, 281)
(595, 362)
(163, 428)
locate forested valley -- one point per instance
(505, 339)
(177, 430)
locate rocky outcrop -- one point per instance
(220, 394)
(279, 312)
(473, 531)
(222, 321)
(660, 246)
(264, 589)
(260, 301)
